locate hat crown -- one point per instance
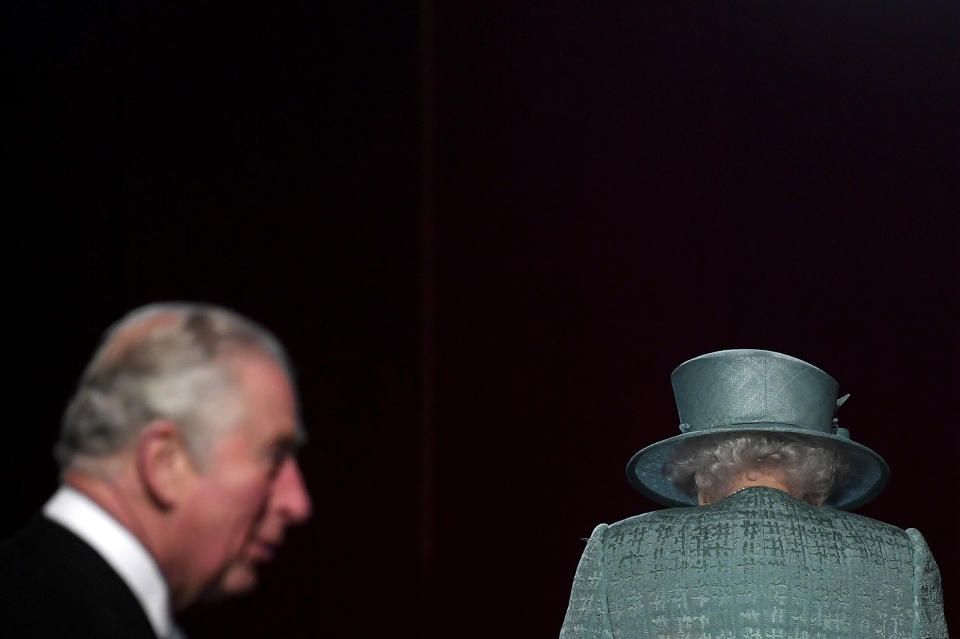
(745, 387)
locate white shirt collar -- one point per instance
(119, 548)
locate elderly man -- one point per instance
(765, 550)
(178, 480)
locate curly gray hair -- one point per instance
(706, 466)
(160, 361)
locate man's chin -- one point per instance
(237, 580)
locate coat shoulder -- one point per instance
(55, 585)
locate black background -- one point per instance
(487, 232)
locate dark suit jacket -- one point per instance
(52, 584)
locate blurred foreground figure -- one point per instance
(768, 552)
(178, 479)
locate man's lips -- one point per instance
(261, 549)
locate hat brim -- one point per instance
(869, 476)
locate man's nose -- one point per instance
(290, 496)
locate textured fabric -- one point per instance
(757, 565)
(55, 585)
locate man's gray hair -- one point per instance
(165, 361)
(707, 465)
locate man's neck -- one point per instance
(124, 508)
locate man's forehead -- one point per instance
(257, 370)
(268, 391)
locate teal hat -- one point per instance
(749, 390)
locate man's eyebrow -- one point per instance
(300, 437)
(290, 443)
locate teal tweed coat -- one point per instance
(756, 565)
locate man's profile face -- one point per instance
(248, 492)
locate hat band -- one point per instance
(833, 429)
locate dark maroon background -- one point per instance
(487, 233)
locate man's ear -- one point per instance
(163, 462)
